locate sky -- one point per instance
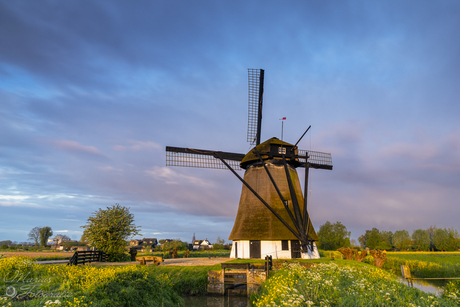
(91, 93)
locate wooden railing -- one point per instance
(82, 257)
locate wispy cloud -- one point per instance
(169, 176)
(137, 146)
(76, 148)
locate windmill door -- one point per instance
(254, 249)
(295, 249)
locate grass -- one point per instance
(343, 283)
(439, 257)
(192, 254)
(101, 286)
(333, 282)
(425, 264)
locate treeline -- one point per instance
(332, 236)
(431, 239)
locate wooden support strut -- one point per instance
(259, 197)
(295, 204)
(278, 191)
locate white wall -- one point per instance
(268, 248)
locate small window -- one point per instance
(282, 150)
(285, 245)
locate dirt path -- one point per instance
(176, 262)
(37, 254)
(168, 262)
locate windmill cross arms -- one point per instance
(316, 159)
(200, 158)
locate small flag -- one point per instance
(284, 118)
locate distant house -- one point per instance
(153, 242)
(143, 243)
(201, 244)
(135, 243)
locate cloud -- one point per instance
(14, 197)
(169, 176)
(109, 168)
(137, 145)
(76, 148)
(22, 205)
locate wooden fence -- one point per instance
(82, 257)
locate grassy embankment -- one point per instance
(98, 285)
(425, 264)
(333, 283)
(349, 283)
(344, 283)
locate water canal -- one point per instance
(243, 301)
(425, 286)
(216, 301)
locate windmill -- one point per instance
(272, 211)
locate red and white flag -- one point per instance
(284, 118)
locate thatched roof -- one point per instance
(270, 150)
(253, 220)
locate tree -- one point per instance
(167, 245)
(453, 239)
(401, 239)
(333, 236)
(220, 244)
(109, 230)
(6, 242)
(441, 239)
(446, 239)
(61, 238)
(374, 238)
(431, 232)
(34, 235)
(45, 234)
(421, 239)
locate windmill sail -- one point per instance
(272, 206)
(256, 90)
(200, 158)
(316, 159)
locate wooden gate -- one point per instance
(82, 257)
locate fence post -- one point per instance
(405, 271)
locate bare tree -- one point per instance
(61, 238)
(34, 235)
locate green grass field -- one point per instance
(344, 283)
(425, 264)
(333, 282)
(448, 258)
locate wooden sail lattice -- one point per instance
(294, 218)
(198, 158)
(316, 159)
(255, 92)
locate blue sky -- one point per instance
(92, 92)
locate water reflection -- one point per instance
(216, 301)
(425, 286)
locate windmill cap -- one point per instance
(272, 149)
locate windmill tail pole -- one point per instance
(302, 136)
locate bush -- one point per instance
(135, 288)
(4, 246)
(119, 257)
(330, 254)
